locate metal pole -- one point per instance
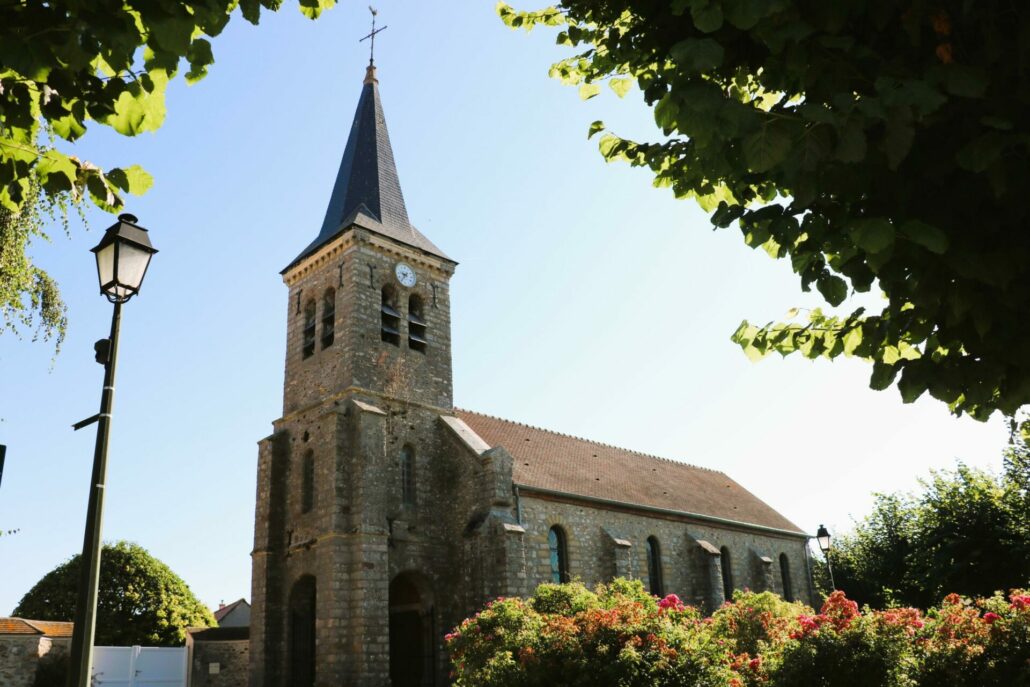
(80, 662)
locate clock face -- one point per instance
(405, 275)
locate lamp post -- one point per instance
(823, 537)
(122, 255)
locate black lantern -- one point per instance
(122, 259)
(823, 537)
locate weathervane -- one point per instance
(372, 35)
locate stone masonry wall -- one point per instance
(20, 655)
(219, 664)
(686, 567)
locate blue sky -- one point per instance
(585, 300)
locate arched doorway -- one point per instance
(412, 632)
(302, 633)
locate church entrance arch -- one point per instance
(302, 633)
(412, 632)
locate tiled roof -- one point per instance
(17, 626)
(367, 191)
(226, 610)
(21, 626)
(54, 628)
(555, 462)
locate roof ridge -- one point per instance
(596, 443)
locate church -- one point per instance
(385, 515)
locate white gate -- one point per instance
(138, 666)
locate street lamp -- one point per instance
(822, 536)
(123, 255)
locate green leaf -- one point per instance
(136, 110)
(134, 179)
(966, 81)
(68, 127)
(621, 86)
(697, 54)
(57, 171)
(595, 127)
(101, 193)
(981, 152)
(745, 14)
(171, 32)
(767, 147)
(851, 144)
(588, 90)
(883, 376)
(873, 235)
(833, 288)
(912, 384)
(312, 9)
(200, 58)
(707, 15)
(897, 141)
(926, 235)
(609, 145)
(852, 340)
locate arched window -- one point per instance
(654, 566)
(390, 317)
(328, 318)
(408, 476)
(788, 591)
(307, 483)
(416, 324)
(309, 329)
(727, 573)
(559, 555)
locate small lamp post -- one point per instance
(822, 536)
(123, 255)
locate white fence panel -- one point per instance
(135, 666)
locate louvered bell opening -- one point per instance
(415, 319)
(391, 311)
(417, 337)
(390, 331)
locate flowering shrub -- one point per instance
(619, 635)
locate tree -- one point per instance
(141, 601)
(967, 532)
(63, 64)
(873, 144)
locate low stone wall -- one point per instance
(20, 657)
(219, 658)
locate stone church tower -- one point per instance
(385, 516)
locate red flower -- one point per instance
(989, 618)
(1020, 602)
(671, 603)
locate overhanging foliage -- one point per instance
(64, 64)
(876, 145)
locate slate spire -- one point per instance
(367, 191)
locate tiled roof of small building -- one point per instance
(226, 610)
(367, 192)
(21, 626)
(556, 462)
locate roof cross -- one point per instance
(372, 35)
